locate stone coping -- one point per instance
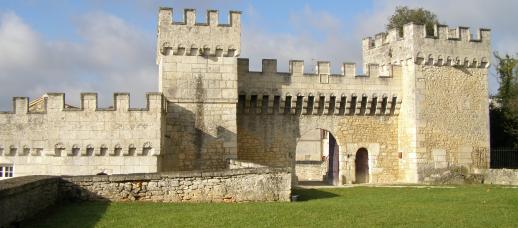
(22, 184)
(309, 162)
(178, 174)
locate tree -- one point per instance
(504, 116)
(404, 15)
(506, 69)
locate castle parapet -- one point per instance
(320, 104)
(446, 47)
(323, 92)
(417, 31)
(191, 38)
(58, 130)
(296, 69)
(55, 102)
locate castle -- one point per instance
(420, 110)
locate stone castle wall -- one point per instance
(444, 116)
(198, 76)
(272, 139)
(459, 136)
(420, 109)
(84, 140)
(275, 109)
(311, 170)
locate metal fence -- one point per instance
(504, 158)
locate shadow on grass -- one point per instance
(75, 206)
(313, 194)
(68, 214)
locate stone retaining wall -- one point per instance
(23, 197)
(237, 185)
(501, 176)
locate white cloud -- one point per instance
(110, 57)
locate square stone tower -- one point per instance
(198, 77)
(444, 119)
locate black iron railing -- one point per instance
(504, 158)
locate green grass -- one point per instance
(465, 206)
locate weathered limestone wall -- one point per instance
(377, 134)
(200, 130)
(331, 89)
(236, 185)
(448, 46)
(23, 197)
(198, 76)
(501, 176)
(443, 121)
(460, 135)
(199, 136)
(189, 37)
(82, 141)
(407, 126)
(310, 170)
(272, 139)
(276, 108)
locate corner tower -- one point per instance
(444, 119)
(198, 76)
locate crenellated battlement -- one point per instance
(191, 38)
(55, 102)
(50, 127)
(446, 47)
(416, 31)
(296, 69)
(165, 15)
(321, 93)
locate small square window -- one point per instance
(9, 171)
(6, 170)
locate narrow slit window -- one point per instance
(352, 109)
(264, 107)
(276, 104)
(287, 105)
(332, 105)
(311, 101)
(241, 103)
(300, 103)
(253, 104)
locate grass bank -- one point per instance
(465, 206)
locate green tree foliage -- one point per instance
(504, 115)
(404, 15)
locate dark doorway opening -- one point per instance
(333, 167)
(362, 166)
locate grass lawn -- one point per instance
(464, 206)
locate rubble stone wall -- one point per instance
(236, 185)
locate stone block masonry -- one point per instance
(419, 110)
(57, 139)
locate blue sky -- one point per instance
(108, 46)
